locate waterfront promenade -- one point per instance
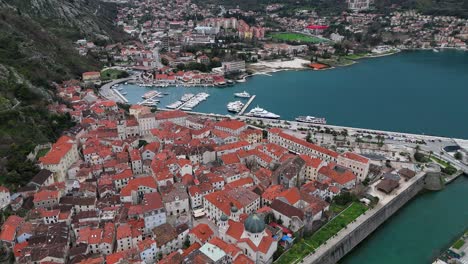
(107, 92)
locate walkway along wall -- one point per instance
(377, 216)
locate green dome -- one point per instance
(224, 217)
(254, 224)
(234, 209)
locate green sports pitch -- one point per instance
(288, 36)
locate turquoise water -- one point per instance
(419, 231)
(419, 91)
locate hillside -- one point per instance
(431, 7)
(36, 38)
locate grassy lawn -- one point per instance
(305, 246)
(288, 36)
(111, 74)
(458, 244)
(441, 162)
(336, 208)
(42, 152)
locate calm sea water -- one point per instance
(418, 232)
(418, 91)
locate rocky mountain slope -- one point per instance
(36, 47)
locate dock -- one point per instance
(144, 101)
(182, 105)
(241, 112)
(120, 95)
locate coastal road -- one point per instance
(107, 91)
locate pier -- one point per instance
(182, 105)
(246, 105)
(146, 100)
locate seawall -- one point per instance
(333, 251)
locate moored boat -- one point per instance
(311, 119)
(262, 113)
(244, 94)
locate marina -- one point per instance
(188, 101)
(343, 99)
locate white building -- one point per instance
(358, 164)
(233, 66)
(60, 157)
(4, 197)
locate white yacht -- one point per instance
(235, 107)
(312, 119)
(262, 113)
(244, 94)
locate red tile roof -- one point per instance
(272, 192)
(46, 195)
(202, 231)
(311, 161)
(230, 158)
(9, 228)
(231, 124)
(58, 150)
(291, 195)
(304, 143)
(355, 157)
(133, 185)
(342, 176)
(170, 114)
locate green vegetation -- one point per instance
(42, 152)
(345, 198)
(111, 74)
(441, 162)
(295, 37)
(307, 245)
(458, 244)
(419, 157)
(450, 170)
(458, 155)
(36, 49)
(429, 7)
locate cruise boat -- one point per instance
(262, 113)
(244, 94)
(235, 107)
(312, 119)
(150, 94)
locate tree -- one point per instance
(344, 198)
(309, 137)
(186, 243)
(458, 155)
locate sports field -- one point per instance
(289, 36)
